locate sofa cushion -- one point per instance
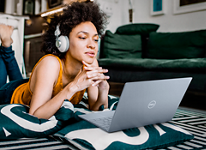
(188, 65)
(137, 28)
(177, 45)
(121, 46)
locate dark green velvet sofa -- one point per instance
(137, 52)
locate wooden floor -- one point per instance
(195, 100)
(116, 88)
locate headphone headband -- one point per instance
(57, 31)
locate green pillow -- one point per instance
(85, 135)
(177, 45)
(137, 28)
(121, 46)
(17, 123)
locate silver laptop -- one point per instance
(142, 103)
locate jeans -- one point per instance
(7, 90)
(8, 66)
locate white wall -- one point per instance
(168, 22)
(116, 16)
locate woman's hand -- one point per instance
(80, 82)
(92, 77)
(98, 92)
(89, 76)
(96, 74)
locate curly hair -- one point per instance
(72, 16)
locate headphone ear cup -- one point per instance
(62, 43)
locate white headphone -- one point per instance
(62, 42)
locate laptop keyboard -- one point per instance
(104, 122)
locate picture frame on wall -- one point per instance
(187, 6)
(2, 6)
(54, 3)
(28, 7)
(157, 7)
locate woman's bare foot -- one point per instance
(5, 35)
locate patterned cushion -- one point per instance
(16, 122)
(84, 135)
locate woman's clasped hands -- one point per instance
(91, 76)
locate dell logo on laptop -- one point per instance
(151, 104)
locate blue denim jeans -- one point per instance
(8, 66)
(7, 90)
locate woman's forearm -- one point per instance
(48, 109)
(101, 100)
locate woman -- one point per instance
(59, 76)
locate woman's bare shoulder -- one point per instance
(48, 67)
(45, 73)
(50, 61)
